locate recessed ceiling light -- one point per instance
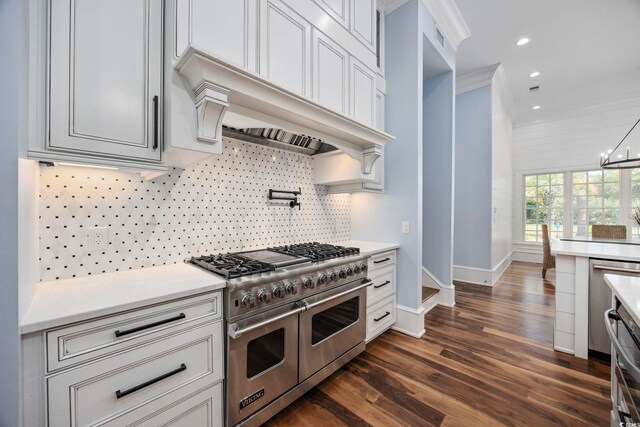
(534, 74)
(536, 107)
(523, 41)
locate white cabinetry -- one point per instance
(381, 296)
(104, 83)
(227, 29)
(363, 15)
(157, 364)
(363, 93)
(285, 47)
(330, 73)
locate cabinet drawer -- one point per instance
(382, 260)
(380, 317)
(202, 409)
(384, 284)
(101, 391)
(85, 341)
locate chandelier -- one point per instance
(614, 159)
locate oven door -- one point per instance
(334, 323)
(262, 361)
(625, 364)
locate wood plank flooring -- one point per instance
(488, 361)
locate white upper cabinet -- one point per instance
(285, 47)
(330, 73)
(225, 28)
(363, 16)
(338, 9)
(104, 78)
(363, 93)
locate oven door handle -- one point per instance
(234, 331)
(628, 363)
(340, 295)
(617, 269)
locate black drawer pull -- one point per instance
(155, 123)
(120, 394)
(382, 284)
(382, 317)
(382, 260)
(150, 325)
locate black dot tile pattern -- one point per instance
(218, 205)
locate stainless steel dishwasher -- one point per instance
(600, 299)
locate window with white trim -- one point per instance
(544, 204)
(595, 200)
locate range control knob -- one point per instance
(248, 301)
(278, 291)
(342, 273)
(307, 282)
(322, 279)
(356, 269)
(333, 276)
(363, 267)
(264, 296)
(291, 288)
(349, 271)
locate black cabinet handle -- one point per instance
(150, 325)
(382, 317)
(382, 284)
(382, 260)
(613, 315)
(120, 394)
(155, 122)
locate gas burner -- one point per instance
(315, 251)
(231, 265)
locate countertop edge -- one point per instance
(613, 281)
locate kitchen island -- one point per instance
(571, 331)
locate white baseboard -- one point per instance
(527, 252)
(409, 321)
(481, 276)
(431, 280)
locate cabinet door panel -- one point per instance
(285, 48)
(363, 14)
(330, 73)
(221, 27)
(105, 68)
(338, 9)
(363, 88)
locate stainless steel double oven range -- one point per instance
(294, 315)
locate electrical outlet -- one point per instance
(97, 239)
(405, 227)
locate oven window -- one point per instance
(334, 319)
(265, 352)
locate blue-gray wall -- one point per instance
(10, 84)
(472, 238)
(379, 217)
(438, 176)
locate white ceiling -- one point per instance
(586, 50)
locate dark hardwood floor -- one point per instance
(488, 361)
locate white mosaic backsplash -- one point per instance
(218, 205)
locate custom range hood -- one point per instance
(245, 103)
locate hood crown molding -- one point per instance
(226, 94)
(449, 19)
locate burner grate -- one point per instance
(316, 251)
(231, 266)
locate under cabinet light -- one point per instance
(80, 165)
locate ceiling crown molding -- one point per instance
(476, 79)
(449, 19)
(390, 5)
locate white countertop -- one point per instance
(368, 248)
(617, 251)
(627, 289)
(61, 302)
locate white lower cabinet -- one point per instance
(163, 366)
(381, 296)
